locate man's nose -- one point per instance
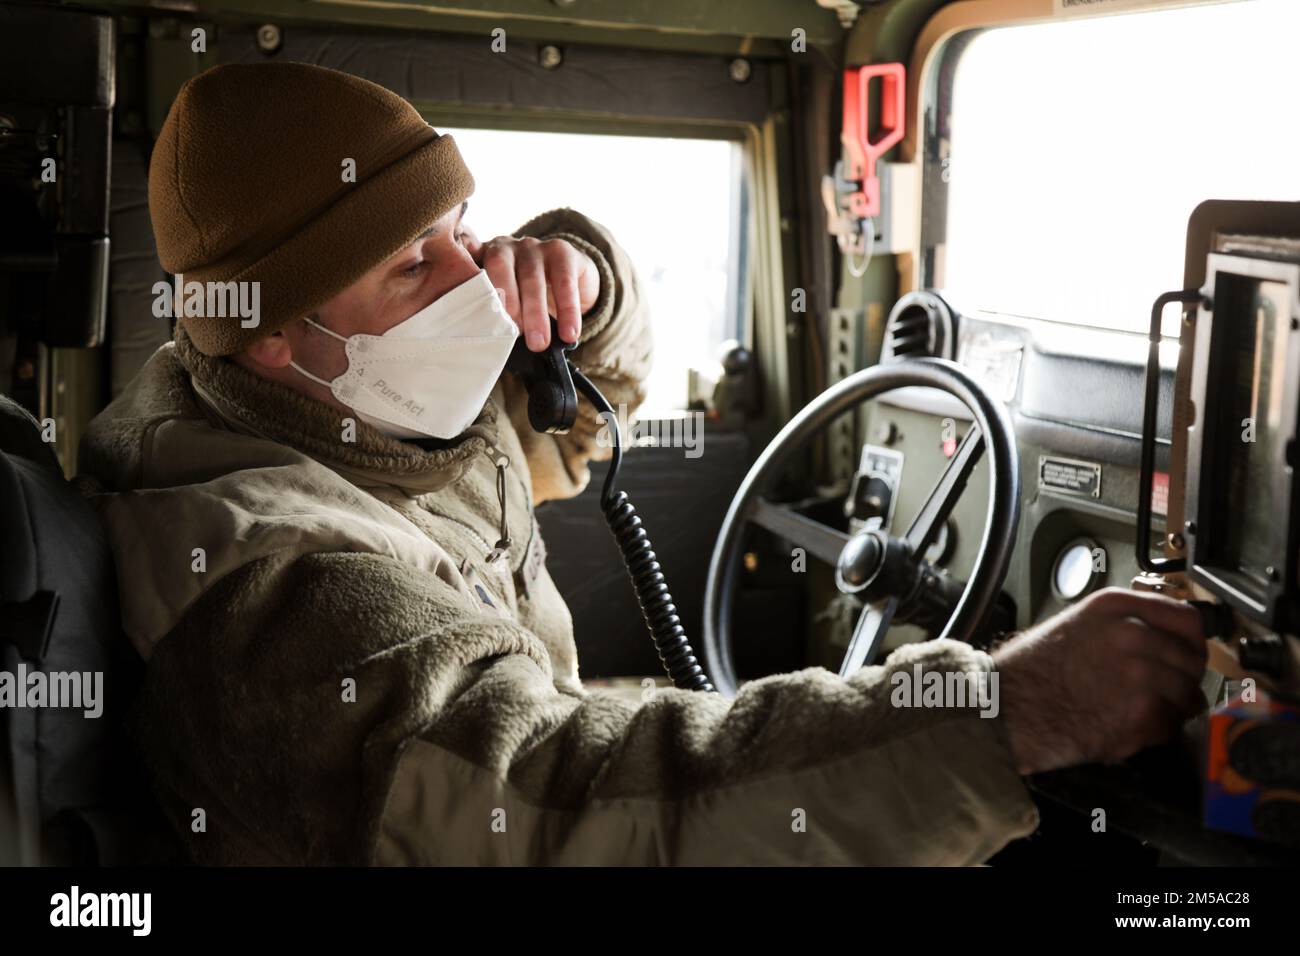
(456, 269)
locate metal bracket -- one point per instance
(845, 344)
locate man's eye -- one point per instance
(462, 237)
(410, 272)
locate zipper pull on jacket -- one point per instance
(502, 462)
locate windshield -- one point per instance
(1078, 149)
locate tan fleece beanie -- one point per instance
(249, 183)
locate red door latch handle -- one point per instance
(861, 150)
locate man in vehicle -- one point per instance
(323, 521)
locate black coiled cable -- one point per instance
(642, 565)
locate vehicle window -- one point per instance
(1078, 149)
(673, 204)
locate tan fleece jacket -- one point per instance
(335, 675)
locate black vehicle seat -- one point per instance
(71, 792)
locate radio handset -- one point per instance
(552, 382)
(552, 401)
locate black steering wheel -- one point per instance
(888, 573)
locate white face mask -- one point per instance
(429, 375)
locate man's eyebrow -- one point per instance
(430, 231)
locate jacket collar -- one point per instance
(240, 401)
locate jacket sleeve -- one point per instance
(348, 708)
(614, 350)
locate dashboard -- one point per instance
(1075, 396)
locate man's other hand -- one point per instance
(538, 278)
(1117, 672)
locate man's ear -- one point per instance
(270, 351)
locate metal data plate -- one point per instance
(1069, 476)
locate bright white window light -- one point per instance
(1081, 147)
(668, 202)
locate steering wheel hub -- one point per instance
(859, 562)
(874, 565)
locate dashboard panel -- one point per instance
(1076, 399)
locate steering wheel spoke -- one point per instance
(868, 634)
(925, 527)
(821, 541)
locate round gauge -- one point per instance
(1072, 574)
